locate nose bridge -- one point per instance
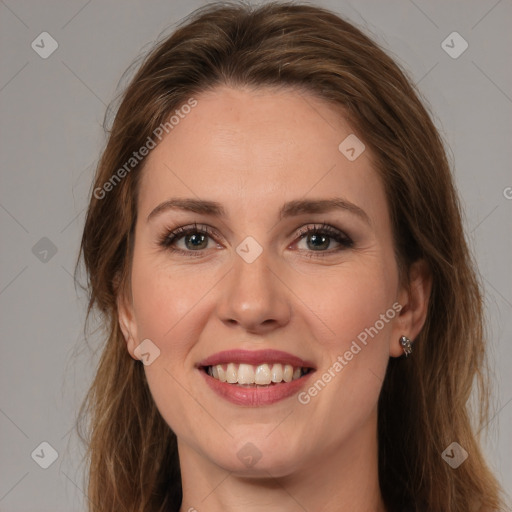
(254, 297)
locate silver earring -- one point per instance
(406, 344)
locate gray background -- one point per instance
(51, 111)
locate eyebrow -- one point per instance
(289, 209)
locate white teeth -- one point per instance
(221, 372)
(261, 375)
(288, 373)
(245, 374)
(231, 374)
(277, 373)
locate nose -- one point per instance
(254, 297)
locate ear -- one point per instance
(127, 321)
(414, 298)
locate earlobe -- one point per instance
(415, 299)
(127, 324)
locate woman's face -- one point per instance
(258, 282)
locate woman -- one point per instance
(275, 243)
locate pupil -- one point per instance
(316, 236)
(195, 237)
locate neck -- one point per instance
(342, 477)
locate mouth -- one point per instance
(255, 378)
(262, 375)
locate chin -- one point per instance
(258, 456)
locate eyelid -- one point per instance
(172, 234)
(334, 233)
(321, 227)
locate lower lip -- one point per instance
(255, 396)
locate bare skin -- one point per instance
(252, 151)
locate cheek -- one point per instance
(358, 313)
(351, 300)
(165, 298)
(169, 311)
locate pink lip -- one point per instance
(254, 397)
(255, 357)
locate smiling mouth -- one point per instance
(255, 376)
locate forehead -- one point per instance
(254, 146)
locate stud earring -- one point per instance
(406, 344)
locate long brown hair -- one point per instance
(424, 404)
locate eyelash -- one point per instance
(171, 236)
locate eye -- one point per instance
(320, 237)
(195, 239)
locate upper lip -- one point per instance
(255, 357)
